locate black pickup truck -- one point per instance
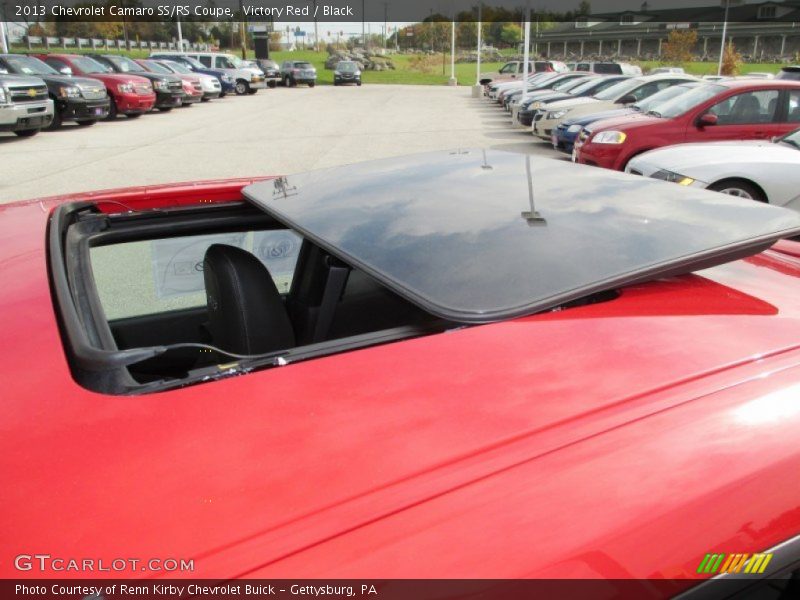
(77, 99)
(168, 88)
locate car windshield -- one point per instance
(126, 65)
(302, 65)
(346, 67)
(89, 65)
(237, 62)
(196, 64)
(792, 139)
(682, 103)
(620, 89)
(651, 102)
(177, 67)
(27, 65)
(584, 84)
(157, 68)
(568, 84)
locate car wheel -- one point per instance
(311, 84)
(134, 115)
(241, 87)
(739, 188)
(273, 84)
(251, 91)
(56, 122)
(27, 132)
(165, 109)
(86, 123)
(358, 83)
(112, 109)
(204, 99)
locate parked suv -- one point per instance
(347, 71)
(209, 85)
(248, 79)
(25, 107)
(613, 68)
(271, 69)
(298, 71)
(128, 94)
(168, 87)
(77, 99)
(227, 82)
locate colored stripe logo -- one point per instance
(753, 564)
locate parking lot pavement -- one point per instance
(277, 131)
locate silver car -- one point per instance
(25, 106)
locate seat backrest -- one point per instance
(246, 313)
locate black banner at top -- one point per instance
(621, 12)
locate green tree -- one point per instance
(511, 34)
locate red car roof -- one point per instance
(620, 439)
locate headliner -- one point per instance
(446, 230)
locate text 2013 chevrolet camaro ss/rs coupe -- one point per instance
(440, 366)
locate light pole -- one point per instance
(724, 33)
(526, 52)
(180, 36)
(478, 70)
(453, 80)
(3, 46)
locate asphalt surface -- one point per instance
(276, 131)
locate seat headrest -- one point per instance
(245, 310)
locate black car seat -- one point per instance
(746, 110)
(245, 310)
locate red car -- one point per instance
(726, 110)
(191, 83)
(130, 95)
(440, 366)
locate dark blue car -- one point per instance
(567, 131)
(227, 82)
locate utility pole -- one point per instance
(526, 52)
(478, 71)
(316, 31)
(453, 80)
(242, 31)
(363, 32)
(385, 20)
(724, 34)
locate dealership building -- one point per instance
(760, 31)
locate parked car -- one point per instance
(567, 131)
(610, 68)
(558, 82)
(627, 405)
(513, 70)
(271, 69)
(726, 110)
(346, 71)
(226, 78)
(659, 70)
(192, 88)
(209, 85)
(25, 106)
(493, 90)
(78, 99)
(298, 71)
(623, 93)
(756, 75)
(515, 100)
(790, 72)
(167, 86)
(130, 95)
(767, 171)
(524, 112)
(249, 79)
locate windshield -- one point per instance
(126, 65)
(569, 83)
(689, 100)
(177, 67)
(302, 64)
(235, 60)
(346, 67)
(196, 64)
(620, 89)
(89, 65)
(157, 68)
(663, 96)
(27, 65)
(793, 139)
(583, 84)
